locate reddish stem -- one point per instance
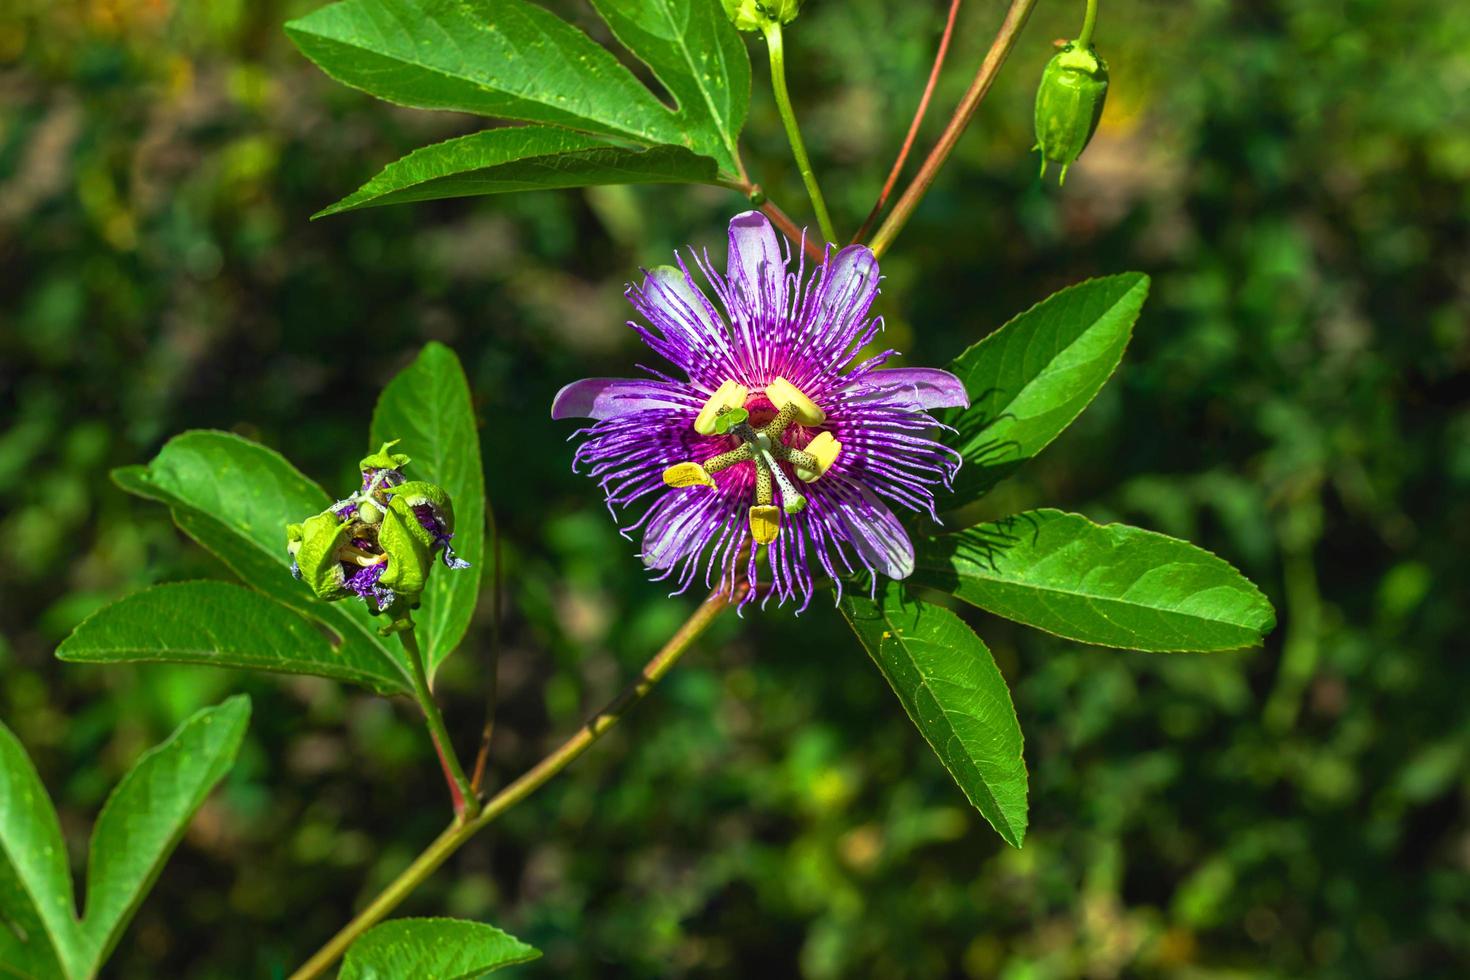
(788, 227)
(1004, 41)
(908, 141)
(454, 794)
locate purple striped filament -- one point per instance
(778, 440)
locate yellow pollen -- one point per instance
(687, 475)
(825, 448)
(782, 392)
(765, 523)
(731, 394)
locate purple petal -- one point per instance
(931, 387)
(606, 398)
(757, 266)
(879, 538)
(849, 286)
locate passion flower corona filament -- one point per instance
(778, 437)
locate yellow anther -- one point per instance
(687, 475)
(782, 393)
(765, 523)
(731, 394)
(825, 449)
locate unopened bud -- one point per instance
(1069, 103)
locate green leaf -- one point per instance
(145, 817)
(442, 949)
(697, 54)
(140, 825)
(38, 929)
(514, 60)
(222, 625)
(427, 405)
(1028, 380)
(952, 690)
(524, 158)
(1111, 585)
(235, 498)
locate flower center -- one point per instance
(763, 446)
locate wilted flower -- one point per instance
(778, 437)
(378, 544)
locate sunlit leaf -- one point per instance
(1031, 378)
(444, 949)
(1107, 584)
(524, 158)
(223, 625)
(514, 60)
(427, 406)
(952, 690)
(697, 54)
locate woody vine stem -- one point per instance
(471, 816)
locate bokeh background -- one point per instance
(1294, 174)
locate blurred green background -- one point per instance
(1295, 174)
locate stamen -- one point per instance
(784, 418)
(820, 454)
(687, 475)
(355, 555)
(762, 481)
(740, 454)
(765, 523)
(783, 392)
(728, 395)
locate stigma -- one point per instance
(764, 447)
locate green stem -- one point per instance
(777, 52)
(466, 803)
(1089, 20)
(533, 779)
(1005, 40)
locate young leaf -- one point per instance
(1111, 585)
(235, 498)
(144, 818)
(1028, 380)
(514, 60)
(38, 929)
(445, 949)
(952, 690)
(427, 405)
(522, 158)
(223, 625)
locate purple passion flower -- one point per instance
(777, 435)
(380, 543)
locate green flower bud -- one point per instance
(380, 543)
(1069, 103)
(753, 15)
